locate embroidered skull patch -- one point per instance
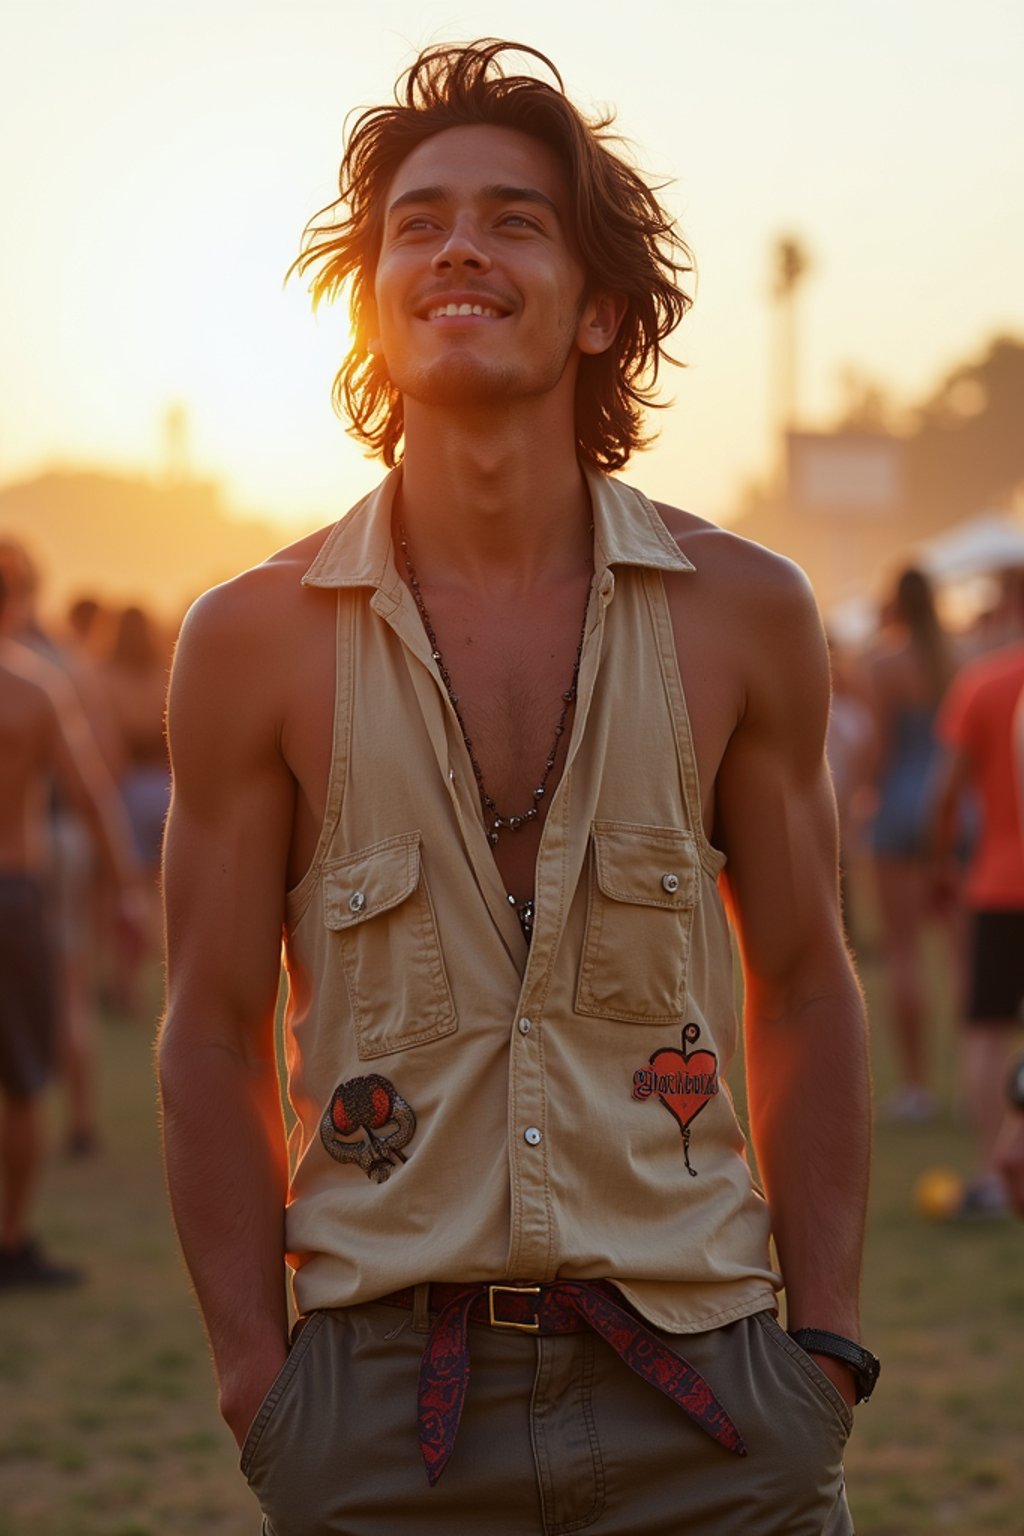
(368, 1122)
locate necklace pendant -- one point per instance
(524, 911)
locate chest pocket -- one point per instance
(641, 899)
(378, 904)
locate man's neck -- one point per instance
(502, 506)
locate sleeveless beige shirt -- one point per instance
(469, 1107)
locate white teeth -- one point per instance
(444, 310)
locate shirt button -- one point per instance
(525, 1025)
(532, 1135)
(357, 901)
(670, 883)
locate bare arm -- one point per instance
(951, 782)
(68, 750)
(225, 877)
(805, 1026)
(83, 776)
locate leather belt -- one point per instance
(565, 1306)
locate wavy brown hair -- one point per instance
(913, 606)
(628, 243)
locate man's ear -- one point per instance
(599, 322)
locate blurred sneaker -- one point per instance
(28, 1268)
(909, 1106)
(983, 1200)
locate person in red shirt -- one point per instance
(976, 725)
(1010, 1147)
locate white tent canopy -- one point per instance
(979, 546)
(990, 542)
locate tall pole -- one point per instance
(791, 264)
(176, 444)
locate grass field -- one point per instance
(107, 1419)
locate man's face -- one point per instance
(479, 288)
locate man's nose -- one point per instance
(462, 248)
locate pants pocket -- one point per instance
(799, 1360)
(282, 1383)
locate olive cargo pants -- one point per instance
(558, 1435)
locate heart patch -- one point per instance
(684, 1080)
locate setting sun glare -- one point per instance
(163, 164)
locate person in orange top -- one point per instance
(1010, 1147)
(976, 724)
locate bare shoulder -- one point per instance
(245, 658)
(248, 609)
(37, 687)
(24, 684)
(755, 590)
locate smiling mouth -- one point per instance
(453, 311)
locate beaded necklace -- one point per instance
(494, 822)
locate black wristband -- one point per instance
(864, 1365)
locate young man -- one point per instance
(486, 751)
(44, 738)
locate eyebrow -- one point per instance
(497, 193)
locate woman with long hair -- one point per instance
(908, 677)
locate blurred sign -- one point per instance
(859, 473)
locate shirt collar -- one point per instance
(627, 531)
(627, 528)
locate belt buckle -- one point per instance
(515, 1290)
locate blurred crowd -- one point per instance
(926, 747)
(84, 791)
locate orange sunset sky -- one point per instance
(160, 162)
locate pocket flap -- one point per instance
(646, 866)
(371, 881)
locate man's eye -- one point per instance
(518, 221)
(416, 225)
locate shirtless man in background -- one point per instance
(43, 738)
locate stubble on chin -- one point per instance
(459, 381)
(464, 380)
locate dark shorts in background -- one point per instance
(28, 992)
(996, 968)
(558, 1436)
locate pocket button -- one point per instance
(357, 901)
(670, 883)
